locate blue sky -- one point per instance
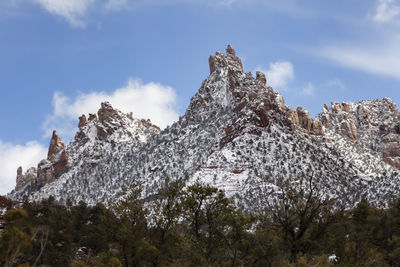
(61, 58)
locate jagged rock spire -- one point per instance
(19, 180)
(261, 77)
(229, 60)
(82, 121)
(251, 99)
(55, 146)
(107, 112)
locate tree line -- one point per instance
(197, 225)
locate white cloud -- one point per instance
(279, 74)
(116, 5)
(151, 100)
(227, 3)
(76, 12)
(335, 83)
(308, 90)
(381, 59)
(73, 11)
(386, 11)
(12, 156)
(378, 54)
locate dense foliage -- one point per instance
(198, 225)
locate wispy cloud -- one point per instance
(377, 52)
(381, 59)
(386, 11)
(308, 90)
(335, 83)
(151, 100)
(116, 5)
(279, 74)
(12, 156)
(74, 11)
(77, 12)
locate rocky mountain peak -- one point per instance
(252, 102)
(261, 77)
(82, 121)
(229, 60)
(110, 121)
(97, 135)
(55, 146)
(107, 113)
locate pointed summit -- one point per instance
(230, 51)
(55, 146)
(229, 60)
(107, 112)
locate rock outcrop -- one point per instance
(220, 61)
(317, 128)
(261, 77)
(47, 170)
(26, 179)
(82, 121)
(20, 179)
(55, 146)
(372, 125)
(349, 129)
(305, 120)
(95, 135)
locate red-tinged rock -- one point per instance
(44, 173)
(82, 121)
(20, 179)
(345, 107)
(317, 128)
(55, 146)
(220, 61)
(230, 51)
(60, 166)
(349, 129)
(292, 119)
(261, 77)
(107, 113)
(92, 117)
(304, 119)
(263, 119)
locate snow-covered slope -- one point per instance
(101, 138)
(237, 134)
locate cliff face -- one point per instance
(238, 135)
(371, 125)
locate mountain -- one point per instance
(102, 136)
(238, 135)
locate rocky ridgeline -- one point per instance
(238, 135)
(47, 169)
(374, 126)
(94, 133)
(255, 105)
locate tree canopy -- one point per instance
(197, 225)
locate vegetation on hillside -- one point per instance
(198, 225)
